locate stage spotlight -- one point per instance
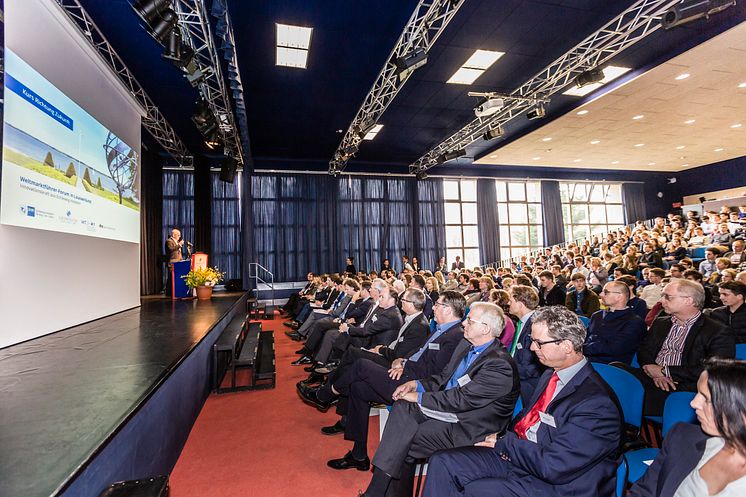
(162, 27)
(203, 116)
(408, 63)
(495, 132)
(349, 151)
(173, 46)
(687, 11)
(421, 175)
(150, 10)
(537, 112)
(213, 140)
(589, 77)
(453, 154)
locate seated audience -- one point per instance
(501, 298)
(738, 255)
(614, 333)
(523, 302)
(473, 396)
(549, 292)
(673, 350)
(581, 299)
(651, 293)
(566, 440)
(707, 266)
(709, 459)
(597, 276)
(636, 303)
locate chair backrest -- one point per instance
(518, 407)
(635, 363)
(741, 351)
(628, 389)
(621, 478)
(698, 252)
(677, 409)
(586, 322)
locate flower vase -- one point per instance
(204, 292)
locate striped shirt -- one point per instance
(673, 345)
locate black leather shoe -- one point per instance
(302, 351)
(294, 335)
(347, 462)
(313, 378)
(310, 369)
(289, 324)
(334, 429)
(302, 360)
(308, 395)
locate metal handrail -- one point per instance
(537, 252)
(257, 279)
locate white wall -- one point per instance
(48, 280)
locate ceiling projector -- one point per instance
(488, 107)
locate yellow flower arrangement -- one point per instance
(208, 276)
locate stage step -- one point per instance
(264, 372)
(269, 312)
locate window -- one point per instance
(178, 204)
(462, 235)
(519, 216)
(591, 208)
(226, 226)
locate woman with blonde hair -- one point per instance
(432, 288)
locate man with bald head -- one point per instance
(614, 333)
(673, 351)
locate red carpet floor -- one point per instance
(266, 443)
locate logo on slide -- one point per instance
(28, 210)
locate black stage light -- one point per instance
(495, 132)
(687, 11)
(150, 10)
(203, 115)
(162, 27)
(536, 112)
(421, 175)
(173, 51)
(453, 154)
(408, 63)
(589, 77)
(349, 151)
(213, 139)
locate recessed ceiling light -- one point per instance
(546, 139)
(474, 66)
(292, 57)
(584, 112)
(638, 117)
(373, 132)
(685, 165)
(493, 156)
(292, 45)
(742, 85)
(680, 147)
(682, 76)
(615, 162)
(536, 158)
(638, 145)
(595, 142)
(690, 121)
(578, 160)
(734, 126)
(651, 163)
(718, 150)
(610, 74)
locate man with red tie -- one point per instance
(566, 442)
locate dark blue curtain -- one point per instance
(430, 244)
(226, 226)
(178, 205)
(633, 199)
(300, 223)
(551, 210)
(489, 233)
(151, 224)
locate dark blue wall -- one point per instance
(719, 176)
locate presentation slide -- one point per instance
(62, 169)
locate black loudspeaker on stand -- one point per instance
(228, 170)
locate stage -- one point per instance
(108, 400)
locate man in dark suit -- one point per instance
(474, 395)
(523, 301)
(347, 290)
(418, 281)
(550, 293)
(458, 265)
(368, 381)
(173, 246)
(294, 298)
(565, 442)
(673, 351)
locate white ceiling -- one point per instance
(710, 96)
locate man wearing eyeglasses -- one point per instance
(673, 350)
(614, 333)
(474, 395)
(565, 442)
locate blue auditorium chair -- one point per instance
(628, 389)
(741, 351)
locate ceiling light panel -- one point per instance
(373, 132)
(610, 74)
(293, 36)
(480, 61)
(292, 57)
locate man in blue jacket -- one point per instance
(614, 333)
(565, 442)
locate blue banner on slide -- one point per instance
(31, 97)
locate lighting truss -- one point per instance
(193, 21)
(153, 121)
(427, 22)
(632, 25)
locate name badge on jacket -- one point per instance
(433, 346)
(374, 318)
(464, 380)
(547, 419)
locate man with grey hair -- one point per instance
(572, 407)
(474, 395)
(674, 349)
